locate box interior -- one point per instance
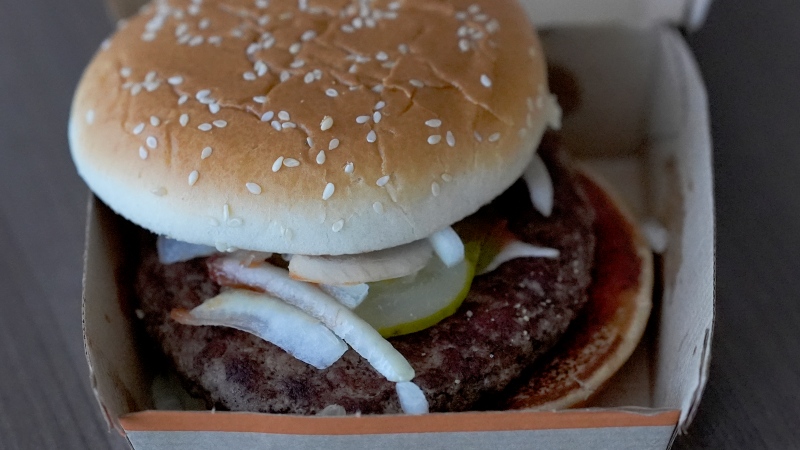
(642, 123)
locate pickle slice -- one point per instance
(413, 303)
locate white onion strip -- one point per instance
(344, 323)
(350, 295)
(412, 399)
(519, 249)
(394, 262)
(171, 251)
(540, 186)
(272, 320)
(448, 246)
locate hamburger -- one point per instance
(350, 206)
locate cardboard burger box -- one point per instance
(642, 122)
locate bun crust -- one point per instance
(182, 119)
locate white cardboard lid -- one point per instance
(643, 13)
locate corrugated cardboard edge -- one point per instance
(111, 421)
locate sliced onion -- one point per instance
(343, 322)
(448, 246)
(540, 186)
(412, 399)
(171, 251)
(270, 319)
(350, 296)
(518, 249)
(380, 265)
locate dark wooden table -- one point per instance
(750, 55)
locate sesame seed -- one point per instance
(249, 76)
(138, 129)
(337, 226)
(203, 94)
(286, 125)
(332, 93)
(446, 177)
(434, 139)
(125, 72)
(182, 99)
(328, 192)
(143, 152)
(435, 189)
(402, 48)
(474, 9)
(362, 119)
(381, 56)
(261, 68)
(253, 188)
(184, 119)
(321, 157)
(267, 116)
(276, 125)
(215, 40)
(379, 105)
(486, 81)
(204, 24)
(204, 127)
(347, 29)
(276, 166)
(382, 180)
(90, 116)
(416, 83)
(478, 137)
(220, 123)
(326, 124)
(260, 99)
(285, 76)
(378, 207)
(193, 177)
(348, 168)
(283, 115)
(136, 89)
(206, 153)
(308, 35)
(461, 15)
(310, 142)
(434, 123)
(451, 140)
(294, 48)
(151, 142)
(317, 74)
(176, 80)
(333, 144)
(371, 136)
(376, 116)
(309, 78)
(155, 121)
(494, 137)
(291, 162)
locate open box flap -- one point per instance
(643, 123)
(644, 13)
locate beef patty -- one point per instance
(511, 317)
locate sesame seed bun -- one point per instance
(319, 128)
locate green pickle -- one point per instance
(410, 304)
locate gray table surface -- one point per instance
(750, 55)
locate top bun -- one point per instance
(310, 127)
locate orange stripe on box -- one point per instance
(430, 423)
